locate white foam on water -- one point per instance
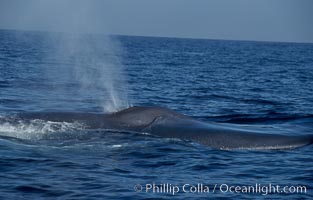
(35, 129)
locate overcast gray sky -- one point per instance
(269, 20)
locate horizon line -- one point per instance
(160, 36)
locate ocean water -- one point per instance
(254, 83)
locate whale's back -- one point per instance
(141, 117)
(163, 122)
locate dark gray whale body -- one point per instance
(164, 122)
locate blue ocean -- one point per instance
(258, 84)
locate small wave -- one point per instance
(265, 148)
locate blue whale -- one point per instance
(163, 122)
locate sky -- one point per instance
(260, 20)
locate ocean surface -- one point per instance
(239, 82)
